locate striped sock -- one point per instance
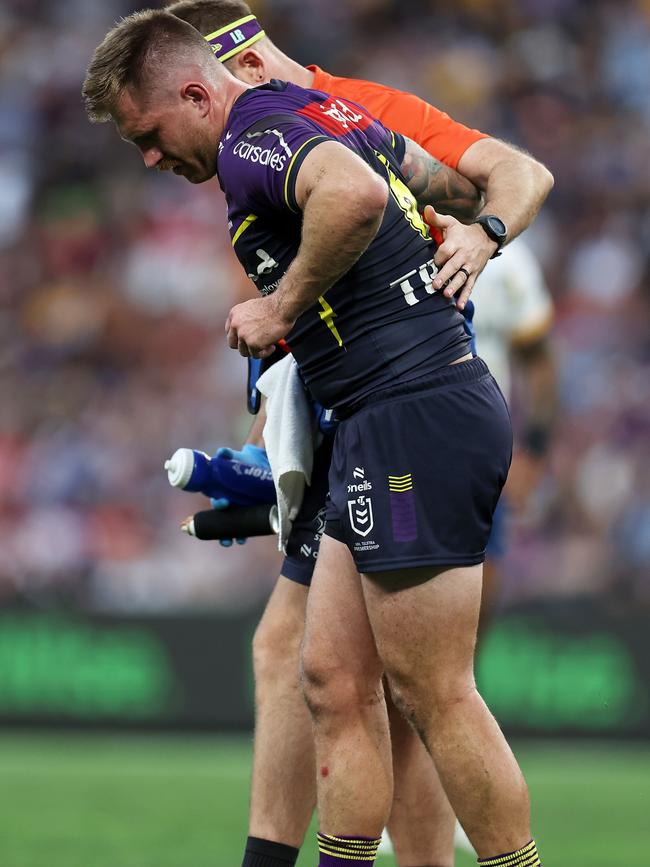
(526, 857)
(347, 851)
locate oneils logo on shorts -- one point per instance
(362, 485)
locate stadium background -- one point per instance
(114, 284)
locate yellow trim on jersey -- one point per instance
(293, 159)
(242, 46)
(242, 228)
(227, 27)
(327, 315)
(405, 199)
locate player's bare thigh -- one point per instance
(424, 622)
(338, 637)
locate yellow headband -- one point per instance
(235, 37)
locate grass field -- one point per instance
(143, 801)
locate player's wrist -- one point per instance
(288, 301)
(495, 230)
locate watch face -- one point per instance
(497, 226)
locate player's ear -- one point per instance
(248, 66)
(198, 95)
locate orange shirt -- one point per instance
(432, 129)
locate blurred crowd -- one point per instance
(115, 283)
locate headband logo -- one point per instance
(243, 33)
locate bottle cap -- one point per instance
(180, 467)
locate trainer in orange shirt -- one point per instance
(513, 185)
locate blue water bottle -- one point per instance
(230, 477)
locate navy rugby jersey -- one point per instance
(381, 323)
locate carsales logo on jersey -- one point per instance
(264, 156)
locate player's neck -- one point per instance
(232, 93)
(280, 66)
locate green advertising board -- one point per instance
(560, 670)
(537, 677)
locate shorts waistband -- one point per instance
(450, 374)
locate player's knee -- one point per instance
(332, 688)
(425, 701)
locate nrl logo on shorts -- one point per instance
(361, 517)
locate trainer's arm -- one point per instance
(514, 183)
(434, 183)
(514, 187)
(343, 204)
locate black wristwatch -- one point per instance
(495, 229)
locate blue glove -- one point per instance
(246, 479)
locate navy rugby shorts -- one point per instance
(304, 540)
(417, 470)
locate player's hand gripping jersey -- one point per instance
(381, 323)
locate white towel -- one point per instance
(289, 438)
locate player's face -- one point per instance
(171, 136)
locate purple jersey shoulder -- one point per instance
(270, 131)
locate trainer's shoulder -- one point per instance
(406, 113)
(372, 95)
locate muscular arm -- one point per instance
(343, 204)
(434, 183)
(514, 184)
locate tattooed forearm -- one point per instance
(433, 183)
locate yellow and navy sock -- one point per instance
(526, 857)
(347, 851)
(266, 853)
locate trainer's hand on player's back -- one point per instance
(254, 326)
(463, 247)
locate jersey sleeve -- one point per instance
(265, 159)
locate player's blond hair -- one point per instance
(135, 54)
